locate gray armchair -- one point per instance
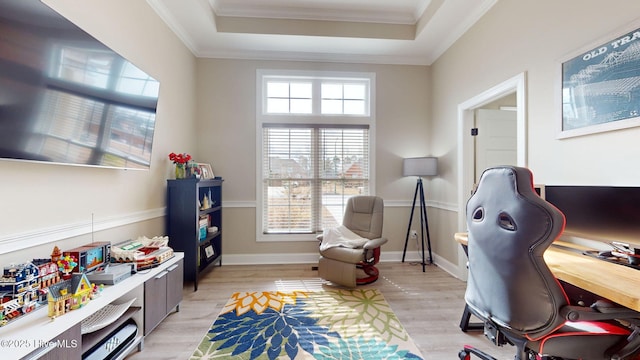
(351, 266)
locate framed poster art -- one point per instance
(601, 86)
(205, 171)
(209, 252)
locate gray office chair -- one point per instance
(356, 266)
(513, 291)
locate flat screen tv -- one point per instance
(67, 98)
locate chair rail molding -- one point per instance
(448, 206)
(387, 203)
(41, 236)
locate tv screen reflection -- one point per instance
(67, 98)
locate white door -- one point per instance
(496, 142)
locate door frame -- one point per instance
(517, 85)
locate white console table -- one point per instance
(32, 336)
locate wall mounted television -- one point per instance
(67, 98)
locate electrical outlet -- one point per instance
(413, 235)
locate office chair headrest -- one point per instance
(510, 227)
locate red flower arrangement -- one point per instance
(185, 167)
(179, 158)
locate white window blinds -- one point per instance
(309, 172)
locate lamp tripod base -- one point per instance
(424, 225)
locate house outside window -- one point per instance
(314, 149)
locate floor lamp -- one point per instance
(420, 166)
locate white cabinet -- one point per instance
(31, 336)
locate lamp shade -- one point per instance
(420, 166)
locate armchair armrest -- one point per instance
(374, 243)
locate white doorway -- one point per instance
(466, 147)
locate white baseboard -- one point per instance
(312, 258)
(304, 258)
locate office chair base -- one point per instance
(465, 321)
(465, 354)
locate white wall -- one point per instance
(532, 37)
(227, 140)
(43, 203)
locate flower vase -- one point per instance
(180, 171)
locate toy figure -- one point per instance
(66, 265)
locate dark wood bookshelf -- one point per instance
(185, 198)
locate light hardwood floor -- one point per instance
(428, 304)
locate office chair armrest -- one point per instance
(374, 243)
(581, 313)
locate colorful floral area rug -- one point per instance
(336, 324)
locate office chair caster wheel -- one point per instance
(464, 355)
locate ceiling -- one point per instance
(356, 31)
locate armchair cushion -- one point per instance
(347, 255)
(341, 237)
(342, 244)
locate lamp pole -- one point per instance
(424, 224)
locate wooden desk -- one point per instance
(618, 283)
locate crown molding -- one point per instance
(315, 57)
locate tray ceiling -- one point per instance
(363, 31)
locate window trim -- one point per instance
(307, 119)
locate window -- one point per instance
(289, 97)
(315, 151)
(309, 172)
(343, 98)
(295, 95)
